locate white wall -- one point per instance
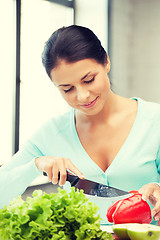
(93, 14)
(135, 48)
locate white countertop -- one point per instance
(107, 228)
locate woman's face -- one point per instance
(84, 84)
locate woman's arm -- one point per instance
(17, 174)
(25, 166)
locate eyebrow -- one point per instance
(66, 85)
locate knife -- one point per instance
(95, 189)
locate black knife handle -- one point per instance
(70, 178)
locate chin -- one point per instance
(94, 111)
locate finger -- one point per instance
(156, 209)
(157, 217)
(63, 177)
(49, 174)
(63, 172)
(48, 170)
(153, 199)
(146, 193)
(74, 169)
(55, 172)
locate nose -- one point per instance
(82, 94)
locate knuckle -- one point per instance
(157, 206)
(67, 160)
(55, 163)
(63, 175)
(147, 194)
(63, 161)
(48, 167)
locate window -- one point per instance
(7, 75)
(39, 99)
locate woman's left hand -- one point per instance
(151, 191)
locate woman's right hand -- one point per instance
(55, 165)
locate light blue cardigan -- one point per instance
(137, 163)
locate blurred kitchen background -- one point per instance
(128, 29)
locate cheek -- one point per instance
(102, 86)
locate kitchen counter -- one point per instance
(108, 229)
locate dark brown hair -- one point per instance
(72, 44)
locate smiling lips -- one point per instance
(90, 104)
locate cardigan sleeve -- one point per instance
(158, 160)
(18, 173)
(158, 164)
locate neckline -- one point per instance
(128, 140)
(122, 149)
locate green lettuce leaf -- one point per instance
(62, 215)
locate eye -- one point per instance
(90, 80)
(68, 90)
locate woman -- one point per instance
(105, 137)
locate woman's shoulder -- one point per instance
(55, 125)
(61, 120)
(149, 109)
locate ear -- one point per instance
(108, 65)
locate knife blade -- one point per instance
(95, 189)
